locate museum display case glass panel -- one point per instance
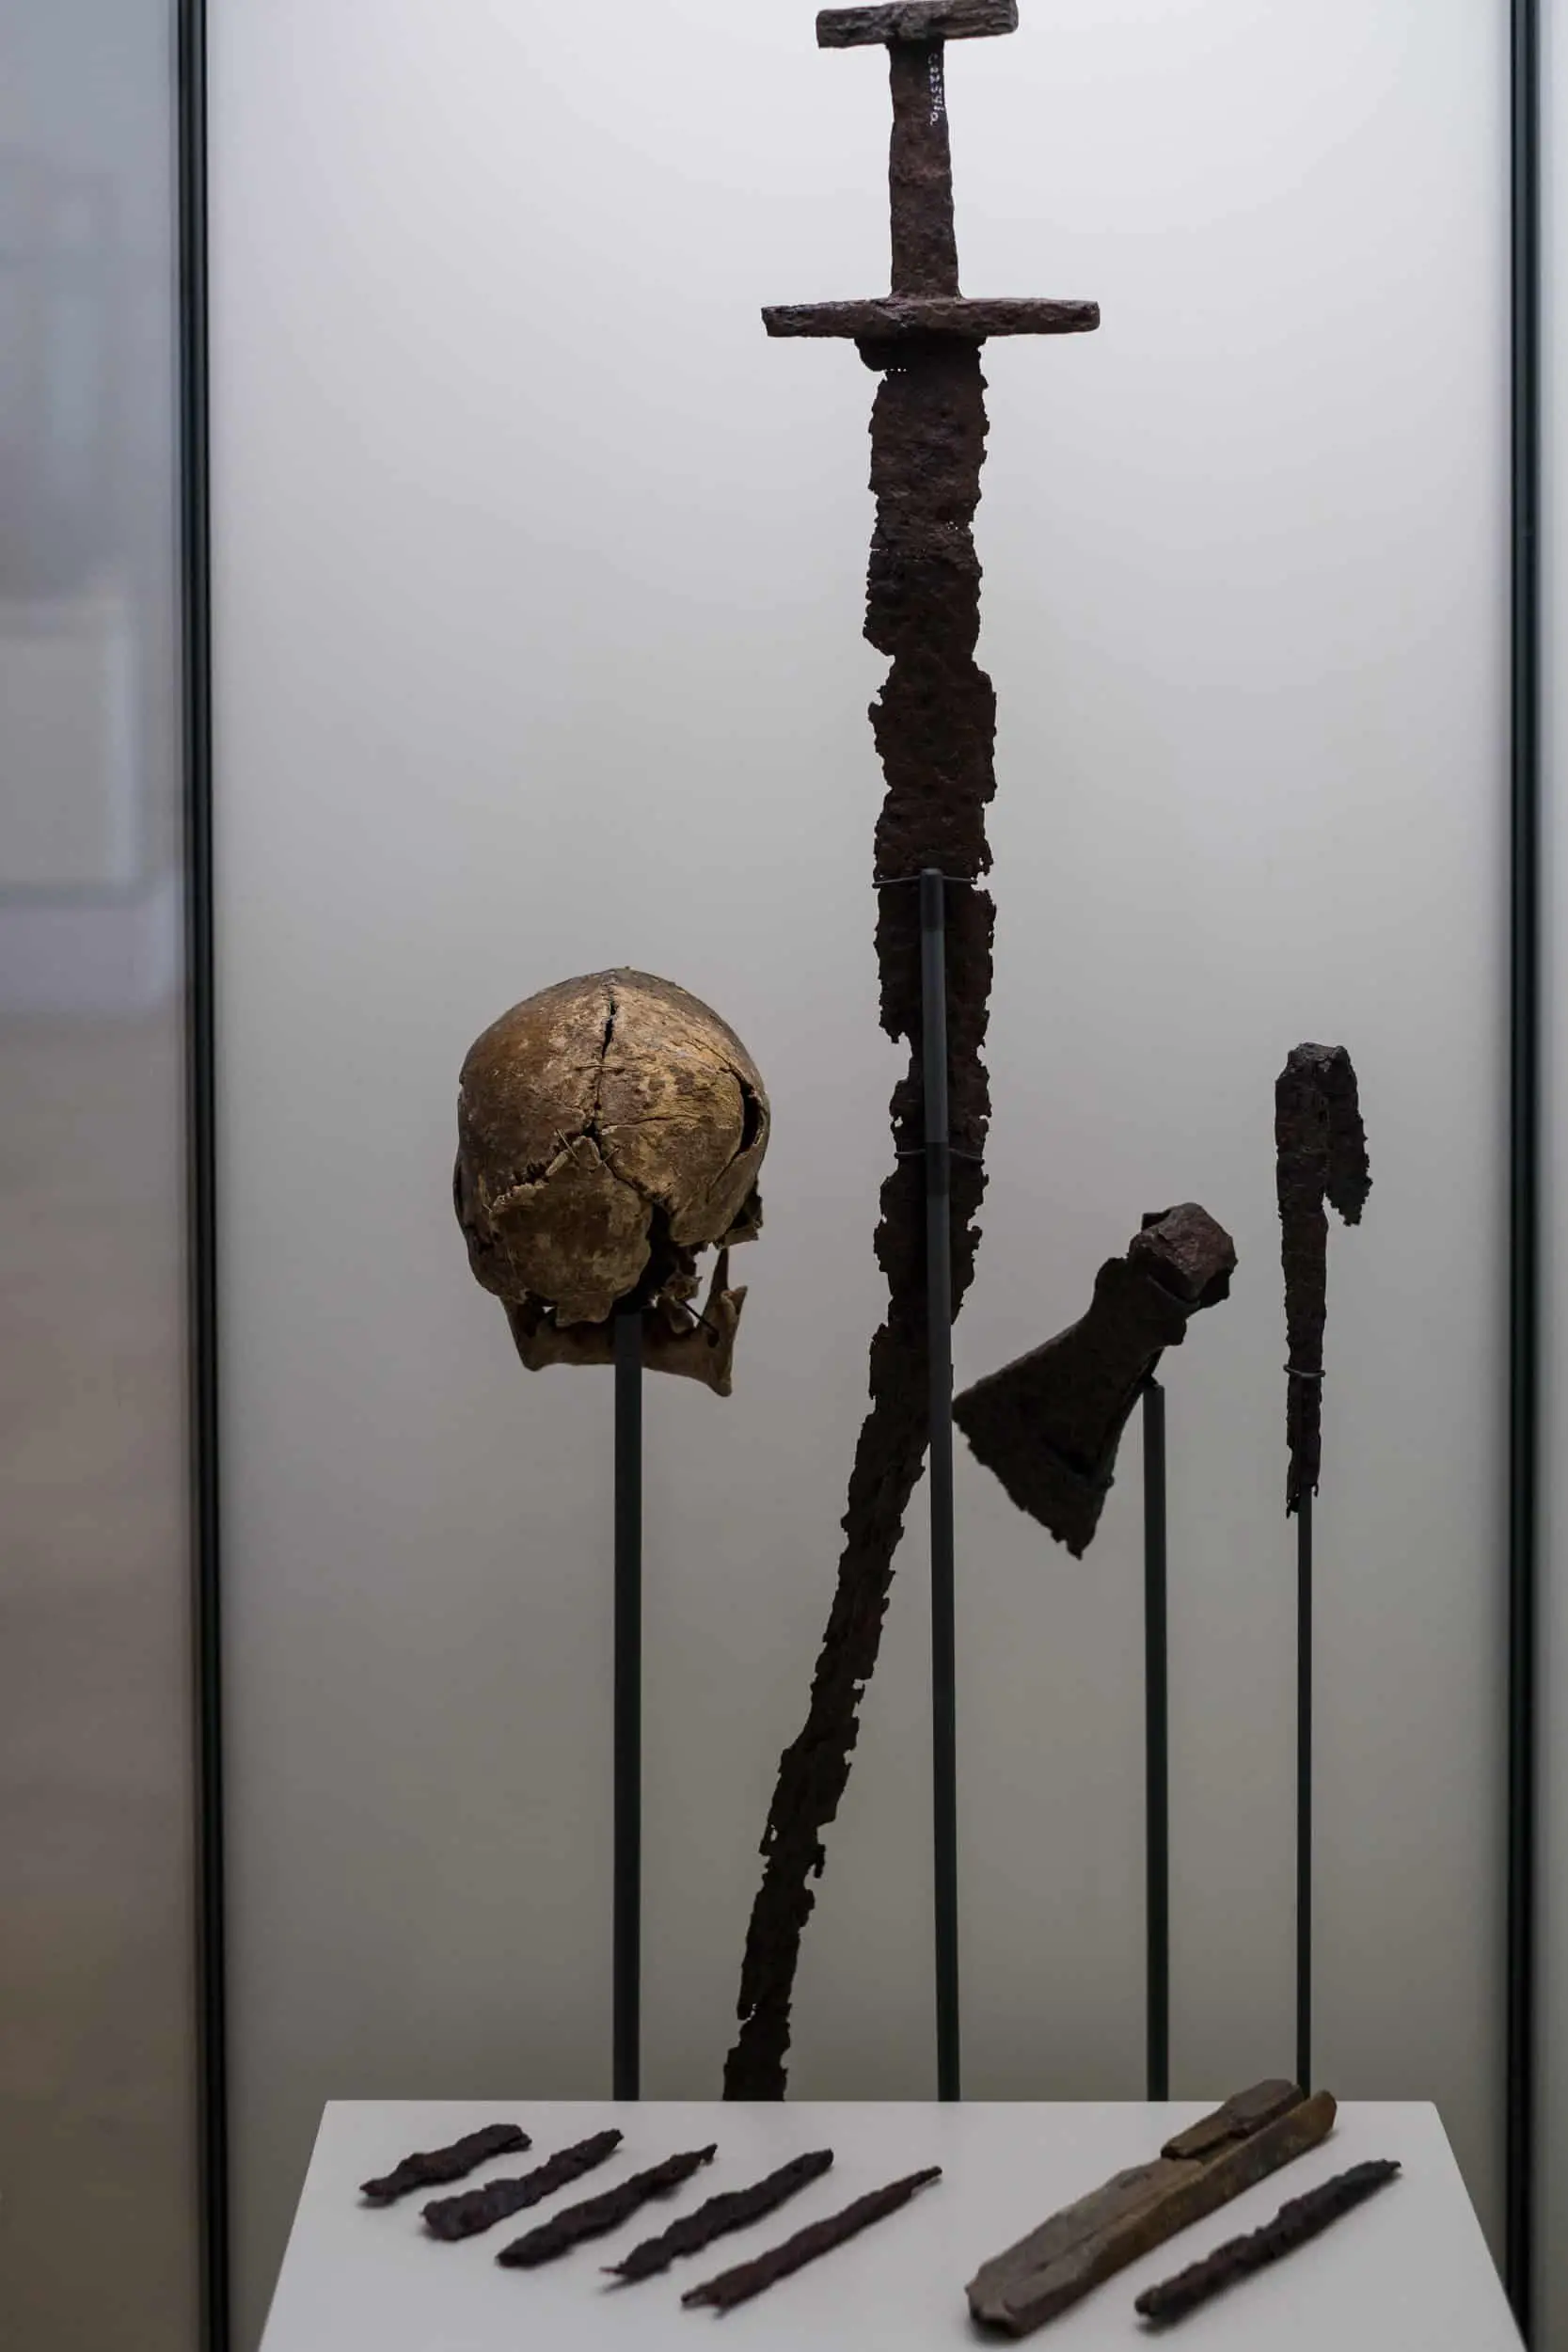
(539, 578)
(98, 2096)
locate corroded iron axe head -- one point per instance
(923, 315)
(1049, 1425)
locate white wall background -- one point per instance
(539, 575)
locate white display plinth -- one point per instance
(1408, 2272)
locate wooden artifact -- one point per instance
(436, 2165)
(478, 2209)
(610, 1129)
(1201, 2170)
(1322, 1149)
(1049, 1424)
(934, 722)
(734, 2210)
(820, 2237)
(1298, 2220)
(598, 2215)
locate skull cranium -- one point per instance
(610, 1128)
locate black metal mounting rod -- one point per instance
(203, 1336)
(1304, 1789)
(626, 1929)
(939, 1328)
(1524, 1152)
(1156, 1744)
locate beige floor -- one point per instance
(96, 2208)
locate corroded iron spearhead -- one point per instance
(1322, 1157)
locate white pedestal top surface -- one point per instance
(1407, 2272)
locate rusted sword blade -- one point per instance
(934, 724)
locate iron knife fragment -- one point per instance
(934, 722)
(478, 2209)
(435, 2166)
(598, 2215)
(1322, 1156)
(819, 2237)
(1049, 1424)
(1298, 2220)
(732, 2210)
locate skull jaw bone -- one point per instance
(676, 1338)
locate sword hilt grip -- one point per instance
(920, 172)
(920, 167)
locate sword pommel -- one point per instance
(916, 20)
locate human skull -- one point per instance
(608, 1130)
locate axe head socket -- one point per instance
(1188, 1252)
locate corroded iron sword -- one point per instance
(934, 724)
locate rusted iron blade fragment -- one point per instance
(435, 2166)
(1049, 1424)
(734, 2210)
(904, 318)
(934, 724)
(477, 2209)
(1197, 2173)
(1322, 1148)
(916, 20)
(1298, 2221)
(598, 2215)
(820, 2237)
